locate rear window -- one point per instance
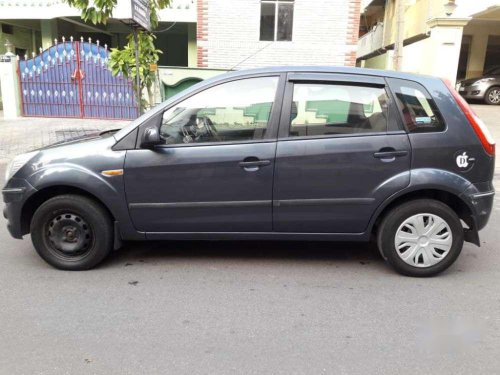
(418, 109)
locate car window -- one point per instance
(418, 109)
(329, 109)
(232, 111)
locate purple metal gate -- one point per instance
(72, 79)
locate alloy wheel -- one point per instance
(494, 96)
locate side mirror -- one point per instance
(150, 137)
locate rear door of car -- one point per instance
(340, 154)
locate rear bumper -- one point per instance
(14, 195)
(480, 198)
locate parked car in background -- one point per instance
(292, 153)
(485, 88)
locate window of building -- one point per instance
(330, 109)
(276, 20)
(232, 111)
(419, 111)
(7, 29)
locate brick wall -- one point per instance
(202, 32)
(324, 33)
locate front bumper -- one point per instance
(473, 91)
(15, 194)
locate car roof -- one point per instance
(325, 69)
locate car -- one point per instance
(485, 88)
(282, 153)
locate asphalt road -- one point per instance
(250, 308)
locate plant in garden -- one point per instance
(122, 60)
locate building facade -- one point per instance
(33, 24)
(454, 40)
(251, 33)
(206, 36)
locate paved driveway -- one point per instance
(251, 308)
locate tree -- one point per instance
(123, 60)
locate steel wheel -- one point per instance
(69, 236)
(423, 240)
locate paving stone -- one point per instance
(26, 134)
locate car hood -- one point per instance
(470, 81)
(93, 135)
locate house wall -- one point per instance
(20, 38)
(479, 31)
(324, 33)
(377, 62)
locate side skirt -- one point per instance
(278, 236)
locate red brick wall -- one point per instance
(352, 30)
(202, 32)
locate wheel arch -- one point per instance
(451, 199)
(42, 195)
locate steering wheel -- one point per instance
(209, 126)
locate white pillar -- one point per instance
(10, 86)
(444, 47)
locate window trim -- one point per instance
(274, 118)
(332, 79)
(276, 10)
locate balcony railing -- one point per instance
(371, 41)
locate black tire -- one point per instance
(491, 93)
(394, 219)
(72, 232)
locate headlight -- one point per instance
(17, 163)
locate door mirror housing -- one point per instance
(150, 137)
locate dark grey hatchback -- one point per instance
(292, 153)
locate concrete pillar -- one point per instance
(49, 32)
(9, 86)
(192, 50)
(477, 55)
(444, 47)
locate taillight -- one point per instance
(477, 124)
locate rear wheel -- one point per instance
(492, 96)
(421, 237)
(72, 232)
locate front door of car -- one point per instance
(340, 153)
(214, 172)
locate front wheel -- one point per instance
(72, 232)
(492, 96)
(421, 237)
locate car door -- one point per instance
(340, 153)
(214, 172)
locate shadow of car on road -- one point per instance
(163, 251)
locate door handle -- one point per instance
(390, 154)
(252, 164)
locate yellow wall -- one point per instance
(377, 62)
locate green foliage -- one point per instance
(99, 11)
(123, 60)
